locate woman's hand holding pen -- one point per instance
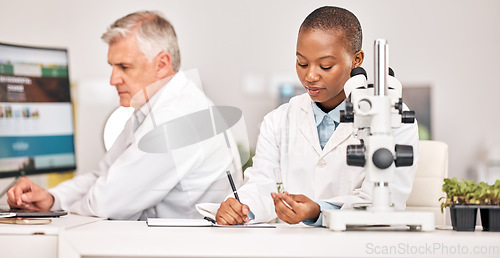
(294, 208)
(27, 195)
(232, 212)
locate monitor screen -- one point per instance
(36, 115)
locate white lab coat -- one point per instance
(132, 184)
(289, 140)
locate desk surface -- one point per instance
(39, 241)
(136, 239)
(53, 228)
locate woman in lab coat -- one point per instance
(304, 140)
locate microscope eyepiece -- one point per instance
(391, 72)
(358, 71)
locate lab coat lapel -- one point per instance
(122, 142)
(308, 127)
(343, 132)
(131, 132)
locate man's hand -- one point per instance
(232, 212)
(27, 195)
(293, 209)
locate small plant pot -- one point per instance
(463, 217)
(490, 218)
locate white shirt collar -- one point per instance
(333, 114)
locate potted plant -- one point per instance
(490, 206)
(461, 198)
(465, 197)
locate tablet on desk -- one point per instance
(20, 213)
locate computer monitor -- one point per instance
(36, 114)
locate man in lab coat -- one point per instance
(132, 182)
(303, 140)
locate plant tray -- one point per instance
(490, 217)
(463, 217)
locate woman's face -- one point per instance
(324, 65)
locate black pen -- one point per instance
(232, 185)
(210, 219)
(250, 213)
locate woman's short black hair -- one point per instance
(329, 18)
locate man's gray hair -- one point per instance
(154, 35)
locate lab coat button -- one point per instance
(321, 163)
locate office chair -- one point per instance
(432, 168)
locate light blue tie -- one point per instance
(325, 130)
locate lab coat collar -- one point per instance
(171, 86)
(308, 125)
(310, 132)
(342, 133)
(158, 88)
(334, 114)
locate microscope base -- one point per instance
(337, 220)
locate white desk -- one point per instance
(136, 239)
(37, 240)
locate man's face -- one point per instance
(131, 70)
(323, 66)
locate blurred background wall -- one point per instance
(245, 50)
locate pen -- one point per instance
(210, 219)
(233, 187)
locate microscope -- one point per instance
(375, 112)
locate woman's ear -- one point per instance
(357, 61)
(164, 65)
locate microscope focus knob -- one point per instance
(408, 117)
(382, 158)
(404, 155)
(399, 105)
(347, 115)
(356, 155)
